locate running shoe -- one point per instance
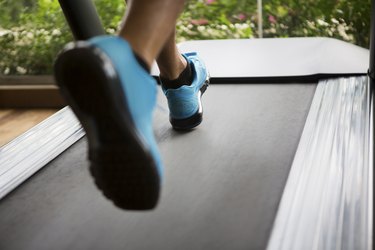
(114, 98)
(185, 105)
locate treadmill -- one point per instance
(282, 160)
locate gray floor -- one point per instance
(223, 182)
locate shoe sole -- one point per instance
(121, 164)
(196, 119)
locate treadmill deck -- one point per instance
(222, 186)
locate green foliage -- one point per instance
(217, 19)
(31, 38)
(33, 31)
(11, 11)
(31, 46)
(356, 14)
(342, 19)
(110, 12)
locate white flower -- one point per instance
(224, 27)
(201, 28)
(322, 22)
(4, 32)
(56, 32)
(21, 70)
(30, 35)
(335, 21)
(111, 31)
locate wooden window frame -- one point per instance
(29, 92)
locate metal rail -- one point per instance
(327, 201)
(372, 44)
(34, 149)
(372, 97)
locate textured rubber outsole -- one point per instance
(122, 166)
(194, 120)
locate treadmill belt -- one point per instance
(222, 186)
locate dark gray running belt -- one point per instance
(223, 181)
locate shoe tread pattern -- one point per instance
(121, 165)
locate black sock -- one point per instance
(185, 78)
(142, 62)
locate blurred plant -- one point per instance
(33, 31)
(215, 19)
(342, 19)
(31, 46)
(31, 38)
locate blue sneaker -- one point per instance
(114, 98)
(185, 106)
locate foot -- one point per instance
(114, 97)
(185, 106)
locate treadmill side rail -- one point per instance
(327, 201)
(28, 153)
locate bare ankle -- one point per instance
(172, 70)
